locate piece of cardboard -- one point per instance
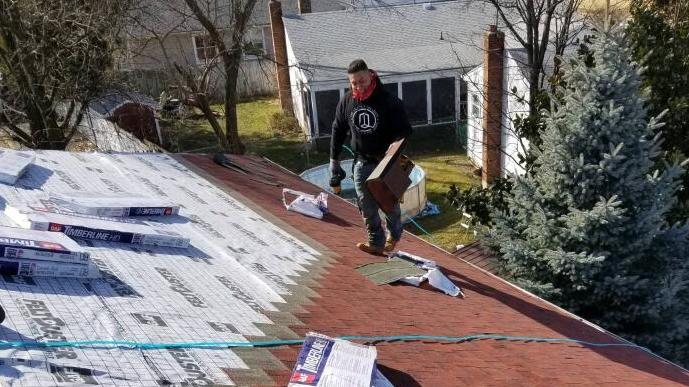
(390, 179)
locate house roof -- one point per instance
(477, 256)
(392, 40)
(110, 100)
(175, 16)
(259, 272)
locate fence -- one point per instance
(256, 78)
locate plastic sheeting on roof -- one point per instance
(218, 289)
(107, 136)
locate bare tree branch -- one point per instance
(55, 55)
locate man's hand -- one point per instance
(337, 174)
(335, 168)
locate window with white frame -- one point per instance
(414, 96)
(475, 105)
(254, 42)
(476, 115)
(204, 48)
(443, 100)
(326, 105)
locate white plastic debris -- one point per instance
(13, 164)
(435, 277)
(439, 281)
(306, 204)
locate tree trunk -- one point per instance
(45, 131)
(534, 89)
(213, 121)
(232, 130)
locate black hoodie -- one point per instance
(374, 123)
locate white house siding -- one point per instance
(297, 85)
(147, 53)
(515, 86)
(146, 60)
(256, 77)
(474, 81)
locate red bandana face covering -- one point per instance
(369, 90)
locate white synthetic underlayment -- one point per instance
(13, 164)
(216, 290)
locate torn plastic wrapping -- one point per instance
(435, 277)
(439, 281)
(306, 204)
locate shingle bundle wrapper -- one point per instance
(40, 245)
(329, 362)
(43, 253)
(38, 216)
(110, 204)
(13, 164)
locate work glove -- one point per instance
(336, 169)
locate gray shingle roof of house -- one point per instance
(521, 57)
(392, 40)
(174, 15)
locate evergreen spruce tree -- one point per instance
(587, 227)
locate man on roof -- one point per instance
(375, 119)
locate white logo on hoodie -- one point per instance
(364, 120)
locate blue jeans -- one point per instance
(370, 211)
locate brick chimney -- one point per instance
(493, 48)
(304, 6)
(280, 47)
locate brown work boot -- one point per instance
(366, 248)
(390, 244)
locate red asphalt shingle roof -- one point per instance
(346, 303)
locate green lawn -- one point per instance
(444, 163)
(442, 170)
(289, 150)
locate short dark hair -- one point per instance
(356, 66)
